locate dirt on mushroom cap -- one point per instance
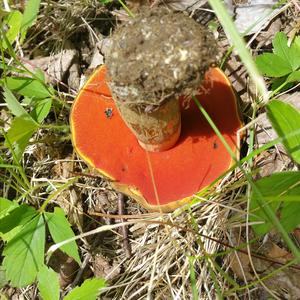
(157, 56)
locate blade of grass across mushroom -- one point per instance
(240, 46)
(265, 207)
(249, 157)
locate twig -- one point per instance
(124, 228)
(81, 270)
(224, 244)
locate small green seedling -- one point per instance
(283, 65)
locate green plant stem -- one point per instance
(193, 278)
(31, 190)
(20, 168)
(55, 127)
(263, 205)
(56, 193)
(225, 57)
(129, 12)
(240, 46)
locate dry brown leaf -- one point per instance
(286, 283)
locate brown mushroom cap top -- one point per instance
(158, 55)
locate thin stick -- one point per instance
(124, 228)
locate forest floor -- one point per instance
(210, 246)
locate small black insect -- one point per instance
(215, 145)
(108, 112)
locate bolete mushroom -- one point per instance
(153, 59)
(164, 180)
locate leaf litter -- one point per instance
(161, 246)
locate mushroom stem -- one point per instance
(156, 130)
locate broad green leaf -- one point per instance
(273, 65)
(48, 283)
(289, 215)
(3, 14)
(40, 74)
(278, 83)
(27, 87)
(280, 45)
(3, 280)
(21, 130)
(41, 109)
(61, 230)
(30, 15)
(27, 100)
(274, 190)
(19, 216)
(289, 54)
(296, 43)
(12, 103)
(294, 77)
(13, 20)
(295, 53)
(24, 254)
(89, 290)
(5, 206)
(285, 120)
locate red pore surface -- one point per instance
(102, 138)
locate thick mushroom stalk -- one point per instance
(155, 58)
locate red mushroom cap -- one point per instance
(160, 181)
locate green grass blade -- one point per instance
(260, 200)
(239, 45)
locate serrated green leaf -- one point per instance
(41, 109)
(27, 87)
(12, 103)
(285, 120)
(24, 254)
(274, 190)
(272, 65)
(30, 15)
(48, 284)
(89, 290)
(289, 54)
(19, 216)
(21, 130)
(61, 230)
(13, 20)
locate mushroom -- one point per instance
(159, 181)
(153, 59)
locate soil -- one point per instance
(157, 56)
